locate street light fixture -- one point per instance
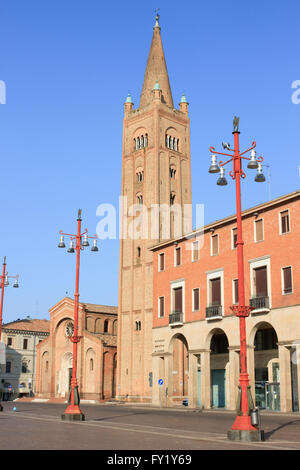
(242, 429)
(4, 283)
(73, 411)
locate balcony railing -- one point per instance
(213, 311)
(260, 303)
(176, 318)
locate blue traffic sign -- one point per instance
(160, 382)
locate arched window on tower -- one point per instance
(172, 143)
(139, 199)
(105, 329)
(140, 142)
(172, 172)
(172, 199)
(140, 176)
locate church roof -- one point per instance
(29, 324)
(156, 71)
(95, 308)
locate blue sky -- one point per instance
(68, 66)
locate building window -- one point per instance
(25, 343)
(141, 142)
(215, 291)
(162, 262)
(140, 176)
(105, 330)
(214, 245)
(138, 326)
(195, 251)
(177, 299)
(287, 287)
(139, 198)
(172, 172)
(259, 230)
(260, 281)
(9, 341)
(91, 364)
(161, 307)
(235, 291)
(172, 199)
(196, 299)
(233, 238)
(284, 222)
(8, 367)
(172, 143)
(138, 251)
(177, 256)
(24, 368)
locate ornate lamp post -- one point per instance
(4, 282)
(242, 428)
(73, 411)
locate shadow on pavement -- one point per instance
(290, 423)
(118, 416)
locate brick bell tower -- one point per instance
(155, 171)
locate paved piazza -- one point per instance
(38, 426)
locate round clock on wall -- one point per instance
(69, 329)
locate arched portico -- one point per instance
(179, 368)
(64, 375)
(219, 368)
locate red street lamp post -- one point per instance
(242, 429)
(73, 411)
(4, 283)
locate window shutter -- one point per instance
(196, 299)
(261, 281)
(285, 223)
(287, 280)
(178, 299)
(215, 247)
(259, 230)
(216, 291)
(161, 306)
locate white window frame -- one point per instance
(161, 270)
(158, 308)
(233, 292)
(259, 263)
(175, 285)
(193, 303)
(213, 275)
(282, 280)
(280, 225)
(211, 244)
(263, 230)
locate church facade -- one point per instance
(97, 352)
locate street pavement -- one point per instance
(38, 426)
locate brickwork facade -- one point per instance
(155, 170)
(97, 352)
(192, 310)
